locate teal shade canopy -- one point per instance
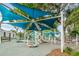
(25, 25)
(9, 15)
(32, 12)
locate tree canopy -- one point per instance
(72, 21)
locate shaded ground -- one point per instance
(20, 49)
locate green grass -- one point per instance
(71, 52)
(75, 53)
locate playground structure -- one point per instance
(33, 25)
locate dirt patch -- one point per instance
(57, 52)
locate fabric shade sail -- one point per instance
(36, 25)
(32, 12)
(9, 15)
(33, 24)
(48, 22)
(20, 24)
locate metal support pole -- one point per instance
(54, 40)
(42, 35)
(36, 42)
(62, 32)
(27, 40)
(24, 35)
(76, 40)
(0, 34)
(49, 37)
(0, 39)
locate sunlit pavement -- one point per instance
(20, 49)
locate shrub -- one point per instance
(68, 50)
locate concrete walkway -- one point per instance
(20, 49)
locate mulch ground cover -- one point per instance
(57, 52)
